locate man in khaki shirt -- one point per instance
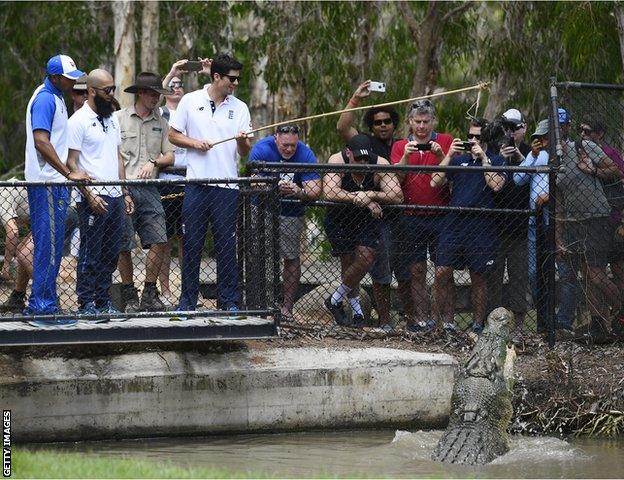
(145, 148)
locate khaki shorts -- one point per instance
(291, 229)
(14, 204)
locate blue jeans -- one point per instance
(568, 286)
(568, 283)
(219, 207)
(48, 211)
(100, 244)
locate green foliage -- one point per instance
(316, 53)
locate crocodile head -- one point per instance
(493, 355)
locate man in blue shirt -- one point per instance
(468, 239)
(46, 161)
(285, 146)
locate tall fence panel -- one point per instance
(590, 205)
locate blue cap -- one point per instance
(563, 116)
(63, 65)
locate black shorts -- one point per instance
(172, 197)
(590, 239)
(344, 237)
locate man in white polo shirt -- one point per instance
(93, 140)
(46, 161)
(207, 116)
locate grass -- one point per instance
(53, 464)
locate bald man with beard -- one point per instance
(94, 141)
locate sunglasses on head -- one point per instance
(288, 129)
(232, 78)
(474, 136)
(107, 90)
(422, 104)
(383, 121)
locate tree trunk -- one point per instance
(428, 47)
(149, 36)
(619, 16)
(124, 48)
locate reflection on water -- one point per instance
(373, 453)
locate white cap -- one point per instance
(513, 115)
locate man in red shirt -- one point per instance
(417, 230)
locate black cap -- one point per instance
(360, 146)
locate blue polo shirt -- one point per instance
(265, 150)
(43, 107)
(469, 189)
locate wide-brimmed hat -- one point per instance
(148, 81)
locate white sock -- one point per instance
(356, 306)
(339, 295)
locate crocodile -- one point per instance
(481, 408)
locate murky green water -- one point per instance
(379, 453)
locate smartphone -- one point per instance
(193, 66)
(377, 87)
(510, 142)
(423, 146)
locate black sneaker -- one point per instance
(130, 299)
(16, 303)
(358, 321)
(150, 302)
(338, 312)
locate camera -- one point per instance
(377, 87)
(423, 147)
(466, 146)
(192, 66)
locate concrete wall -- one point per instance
(171, 393)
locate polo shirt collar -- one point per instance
(226, 100)
(133, 111)
(89, 110)
(50, 86)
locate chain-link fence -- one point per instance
(139, 248)
(589, 205)
(413, 248)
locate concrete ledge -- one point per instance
(171, 393)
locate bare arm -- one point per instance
(311, 190)
(439, 178)
(607, 169)
(47, 151)
(391, 191)
(345, 121)
(181, 140)
(332, 181)
(121, 169)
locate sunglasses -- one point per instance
(422, 104)
(288, 129)
(383, 121)
(474, 136)
(176, 84)
(107, 90)
(515, 128)
(232, 78)
(80, 92)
